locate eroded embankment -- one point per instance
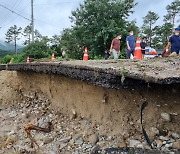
(109, 106)
(117, 109)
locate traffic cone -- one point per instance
(138, 52)
(52, 58)
(85, 57)
(28, 60)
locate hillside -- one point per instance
(8, 48)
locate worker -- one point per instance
(115, 47)
(143, 45)
(174, 42)
(130, 42)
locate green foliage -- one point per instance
(21, 58)
(148, 29)
(96, 23)
(17, 58)
(38, 49)
(12, 35)
(6, 59)
(162, 35)
(173, 11)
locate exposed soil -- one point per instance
(118, 111)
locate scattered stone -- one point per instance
(155, 130)
(153, 133)
(25, 116)
(164, 138)
(47, 140)
(159, 143)
(79, 141)
(63, 145)
(95, 149)
(66, 139)
(74, 114)
(141, 146)
(38, 137)
(13, 114)
(93, 139)
(176, 145)
(166, 117)
(168, 145)
(11, 133)
(134, 143)
(175, 135)
(122, 144)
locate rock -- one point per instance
(11, 133)
(133, 143)
(13, 114)
(122, 144)
(141, 146)
(176, 145)
(164, 138)
(166, 117)
(76, 136)
(79, 141)
(38, 137)
(159, 143)
(93, 139)
(175, 135)
(63, 145)
(155, 130)
(47, 140)
(169, 145)
(73, 115)
(66, 139)
(102, 143)
(24, 116)
(95, 149)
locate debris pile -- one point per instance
(68, 134)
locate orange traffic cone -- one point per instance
(85, 57)
(138, 52)
(28, 60)
(52, 58)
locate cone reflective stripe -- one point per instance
(28, 60)
(52, 58)
(138, 52)
(137, 48)
(85, 57)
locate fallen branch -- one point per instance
(30, 127)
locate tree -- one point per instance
(27, 34)
(162, 34)
(12, 35)
(173, 11)
(96, 23)
(55, 44)
(149, 20)
(38, 49)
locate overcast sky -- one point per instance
(52, 16)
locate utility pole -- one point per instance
(32, 20)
